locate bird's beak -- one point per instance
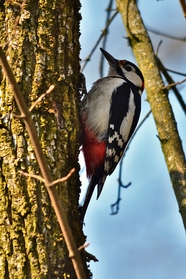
(112, 61)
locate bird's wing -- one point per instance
(124, 114)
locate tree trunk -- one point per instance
(158, 99)
(40, 39)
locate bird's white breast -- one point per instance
(100, 98)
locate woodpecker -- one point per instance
(109, 115)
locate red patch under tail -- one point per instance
(94, 152)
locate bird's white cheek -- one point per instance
(134, 78)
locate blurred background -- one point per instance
(146, 239)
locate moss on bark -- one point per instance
(40, 40)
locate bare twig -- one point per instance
(115, 206)
(49, 90)
(38, 177)
(63, 178)
(104, 31)
(20, 116)
(83, 246)
(174, 84)
(175, 72)
(158, 47)
(164, 34)
(109, 10)
(137, 129)
(61, 216)
(171, 81)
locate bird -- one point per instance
(109, 115)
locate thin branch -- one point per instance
(164, 34)
(175, 72)
(158, 47)
(49, 90)
(174, 84)
(104, 31)
(171, 81)
(38, 177)
(172, 71)
(138, 127)
(61, 216)
(63, 178)
(109, 10)
(83, 246)
(20, 116)
(115, 206)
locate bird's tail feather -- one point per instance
(88, 196)
(97, 178)
(100, 185)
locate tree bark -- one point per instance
(158, 99)
(40, 39)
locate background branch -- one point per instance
(159, 102)
(109, 11)
(157, 32)
(171, 81)
(104, 32)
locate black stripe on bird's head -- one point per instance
(126, 69)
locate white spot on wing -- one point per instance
(110, 139)
(110, 152)
(120, 142)
(112, 126)
(116, 159)
(107, 166)
(116, 137)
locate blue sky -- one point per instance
(146, 240)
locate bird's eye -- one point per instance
(128, 68)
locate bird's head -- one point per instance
(124, 69)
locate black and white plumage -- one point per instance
(109, 116)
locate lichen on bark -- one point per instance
(40, 40)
